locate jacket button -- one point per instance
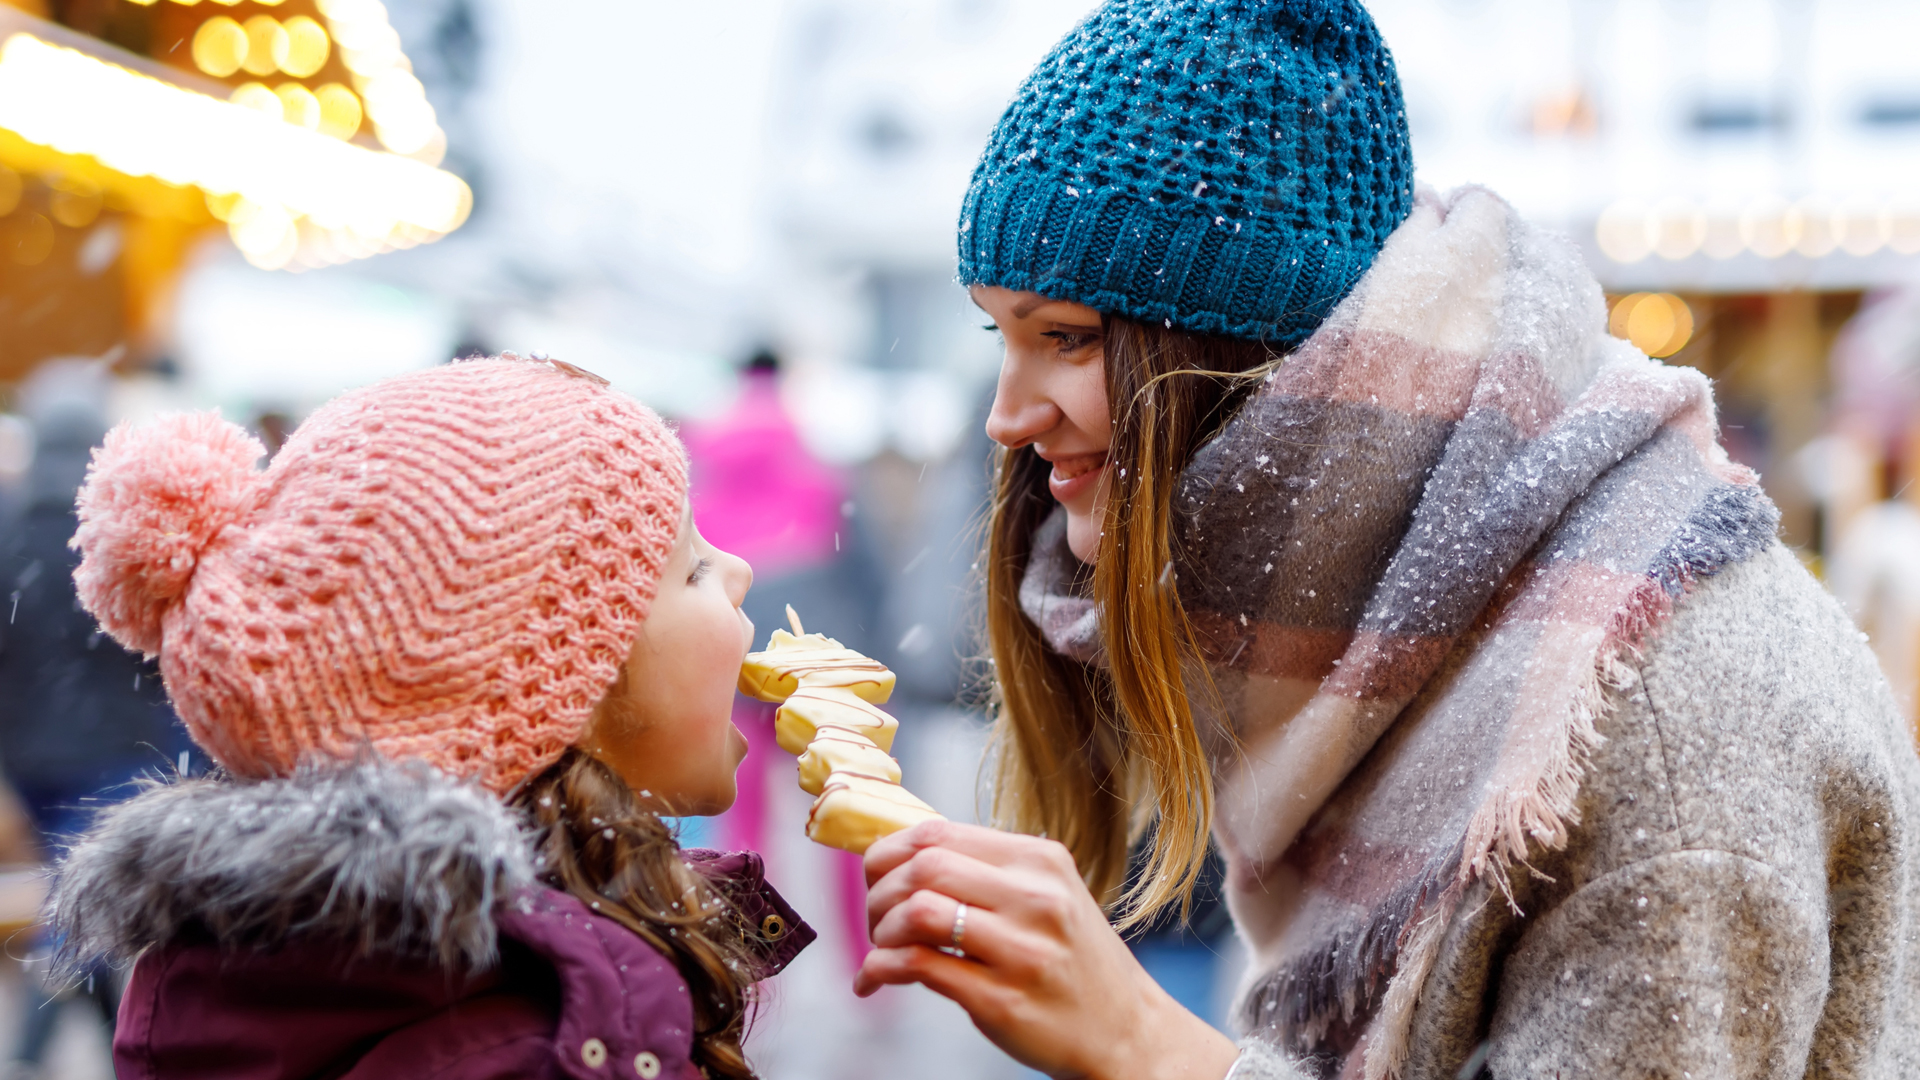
(646, 1065)
(594, 1053)
(773, 928)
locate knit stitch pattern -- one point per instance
(1223, 166)
(449, 565)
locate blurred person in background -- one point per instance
(1871, 483)
(80, 717)
(1330, 520)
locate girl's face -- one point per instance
(1053, 396)
(667, 725)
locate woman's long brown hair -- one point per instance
(618, 857)
(1093, 757)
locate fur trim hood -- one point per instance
(395, 858)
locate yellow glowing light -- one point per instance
(1903, 229)
(75, 202)
(257, 97)
(1680, 229)
(1864, 229)
(140, 126)
(267, 45)
(298, 105)
(265, 234)
(1819, 234)
(10, 188)
(28, 239)
(1626, 232)
(222, 207)
(1770, 227)
(219, 47)
(396, 104)
(1658, 324)
(340, 112)
(307, 47)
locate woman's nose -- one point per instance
(1021, 412)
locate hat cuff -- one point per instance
(1150, 262)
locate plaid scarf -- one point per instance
(1410, 560)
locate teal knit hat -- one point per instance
(1223, 166)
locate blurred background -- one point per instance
(742, 213)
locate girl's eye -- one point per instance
(699, 573)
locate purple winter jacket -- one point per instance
(374, 921)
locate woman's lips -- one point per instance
(1075, 476)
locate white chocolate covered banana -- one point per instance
(813, 708)
(775, 673)
(836, 750)
(854, 811)
(827, 715)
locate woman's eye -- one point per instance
(699, 573)
(1070, 340)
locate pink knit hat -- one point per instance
(450, 565)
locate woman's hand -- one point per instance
(1044, 976)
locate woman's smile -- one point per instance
(1074, 476)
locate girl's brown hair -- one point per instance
(1092, 757)
(599, 844)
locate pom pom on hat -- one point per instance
(156, 496)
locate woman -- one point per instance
(1331, 520)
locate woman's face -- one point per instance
(1053, 397)
(667, 727)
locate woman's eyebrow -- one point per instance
(1027, 306)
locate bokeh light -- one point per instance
(219, 46)
(75, 202)
(267, 45)
(307, 47)
(298, 105)
(1768, 226)
(1658, 324)
(340, 112)
(1625, 232)
(259, 98)
(139, 126)
(394, 100)
(27, 239)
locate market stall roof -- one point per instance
(164, 143)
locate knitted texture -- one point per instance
(450, 565)
(1224, 166)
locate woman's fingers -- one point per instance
(968, 984)
(929, 919)
(990, 846)
(962, 877)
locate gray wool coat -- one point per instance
(1741, 897)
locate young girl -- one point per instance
(1330, 520)
(457, 649)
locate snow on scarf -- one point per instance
(1410, 559)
